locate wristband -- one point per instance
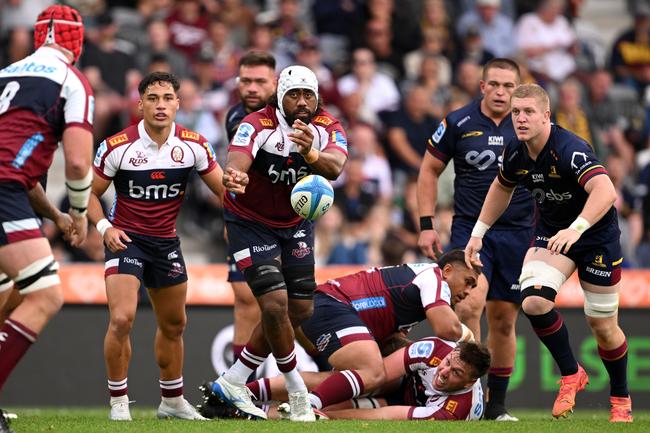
(311, 156)
(479, 230)
(426, 223)
(79, 192)
(580, 225)
(103, 225)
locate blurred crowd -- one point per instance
(390, 70)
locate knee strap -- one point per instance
(600, 304)
(5, 283)
(539, 273)
(301, 282)
(39, 275)
(264, 277)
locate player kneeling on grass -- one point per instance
(430, 379)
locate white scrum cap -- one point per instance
(295, 77)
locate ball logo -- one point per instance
(312, 196)
(177, 154)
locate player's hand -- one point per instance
(429, 243)
(79, 229)
(114, 239)
(301, 136)
(562, 241)
(65, 225)
(471, 252)
(235, 181)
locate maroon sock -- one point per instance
(15, 339)
(341, 386)
(261, 389)
(236, 351)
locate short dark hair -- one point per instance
(257, 58)
(476, 355)
(455, 256)
(502, 63)
(156, 77)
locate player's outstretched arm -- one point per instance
(602, 196)
(444, 323)
(214, 181)
(235, 176)
(430, 170)
(113, 238)
(495, 204)
(386, 412)
(44, 207)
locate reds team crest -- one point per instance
(177, 154)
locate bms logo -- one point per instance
(155, 192)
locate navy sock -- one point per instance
(553, 333)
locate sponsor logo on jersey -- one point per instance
(288, 176)
(421, 349)
(302, 250)
(173, 255)
(323, 120)
(299, 234)
(140, 158)
(157, 175)
(118, 139)
(27, 149)
(521, 172)
(495, 140)
(553, 172)
(208, 148)
(101, 150)
(463, 120)
(581, 159)
(28, 67)
(177, 154)
(542, 238)
(155, 192)
(176, 271)
(279, 146)
(540, 195)
(339, 139)
(598, 272)
(435, 361)
(538, 177)
(451, 406)
(267, 123)
(472, 134)
(369, 303)
(437, 136)
(243, 135)
(190, 135)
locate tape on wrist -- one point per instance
(103, 225)
(79, 192)
(311, 156)
(480, 228)
(580, 225)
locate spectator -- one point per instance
(159, 45)
(568, 113)
(376, 169)
(377, 90)
(379, 38)
(432, 46)
(548, 41)
(240, 19)
(495, 28)
(188, 27)
(630, 60)
(288, 30)
(225, 55)
(468, 75)
(310, 55)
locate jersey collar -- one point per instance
(147, 141)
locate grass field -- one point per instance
(95, 420)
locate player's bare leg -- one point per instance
(469, 310)
(502, 342)
(122, 296)
(612, 348)
(169, 307)
(27, 321)
(246, 315)
(9, 300)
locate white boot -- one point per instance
(120, 409)
(237, 396)
(178, 407)
(300, 408)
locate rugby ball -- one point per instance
(312, 196)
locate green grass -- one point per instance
(84, 420)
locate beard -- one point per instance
(304, 116)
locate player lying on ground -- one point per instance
(430, 379)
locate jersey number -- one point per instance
(8, 94)
(482, 160)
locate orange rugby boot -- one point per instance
(569, 387)
(620, 409)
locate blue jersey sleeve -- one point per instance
(510, 170)
(580, 160)
(442, 143)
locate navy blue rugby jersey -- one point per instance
(476, 144)
(556, 178)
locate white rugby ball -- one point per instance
(312, 196)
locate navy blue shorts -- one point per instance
(598, 256)
(18, 221)
(502, 256)
(251, 242)
(156, 262)
(234, 274)
(333, 325)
